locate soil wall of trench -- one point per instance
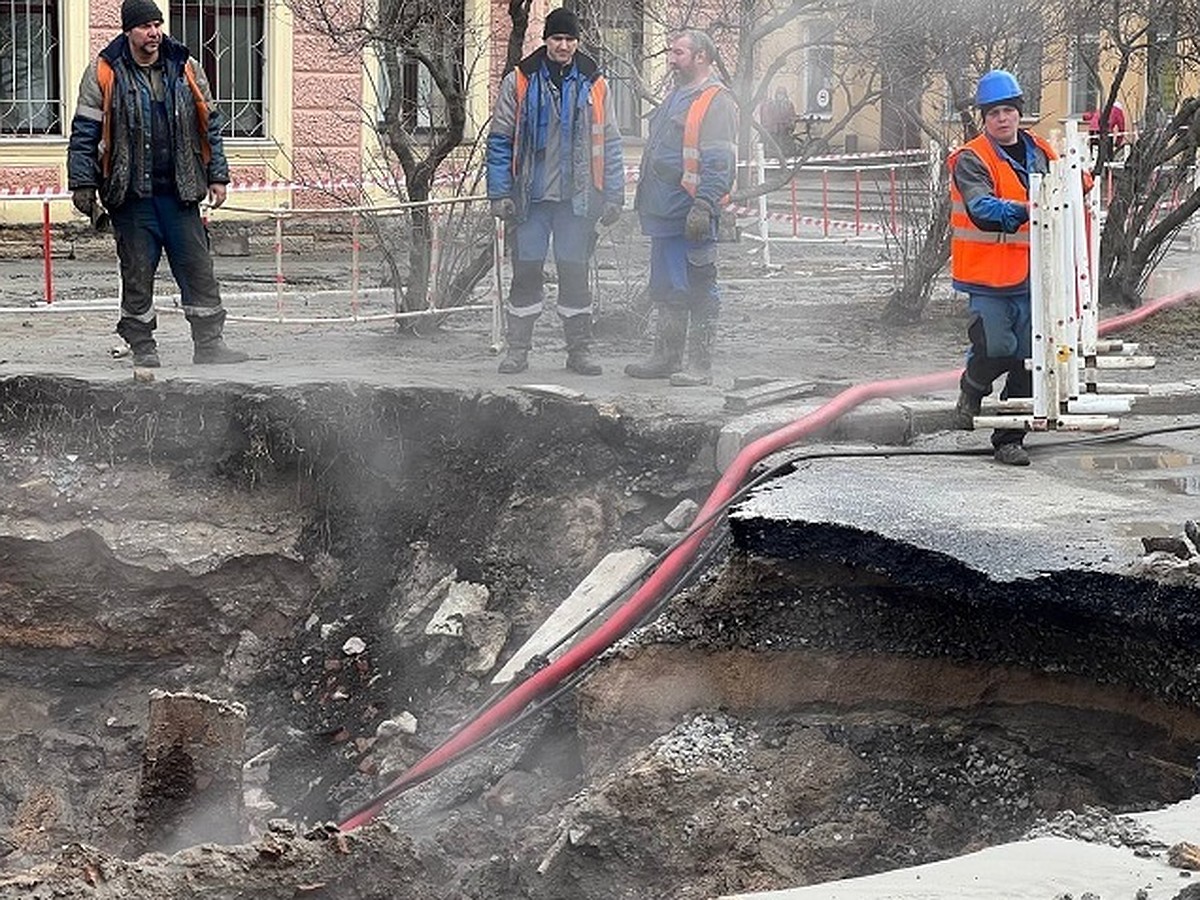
(791, 717)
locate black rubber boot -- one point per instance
(145, 354)
(701, 332)
(668, 345)
(215, 352)
(518, 342)
(966, 409)
(578, 332)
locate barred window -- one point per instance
(228, 38)
(30, 87)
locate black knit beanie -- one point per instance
(1018, 102)
(139, 12)
(561, 21)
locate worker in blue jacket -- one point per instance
(554, 169)
(688, 168)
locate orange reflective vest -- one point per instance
(993, 259)
(691, 139)
(597, 93)
(107, 78)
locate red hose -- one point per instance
(674, 565)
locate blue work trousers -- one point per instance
(684, 273)
(145, 227)
(1001, 335)
(574, 240)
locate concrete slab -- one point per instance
(1080, 506)
(1028, 870)
(600, 586)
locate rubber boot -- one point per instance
(966, 409)
(214, 351)
(668, 345)
(701, 332)
(145, 354)
(209, 346)
(518, 342)
(578, 332)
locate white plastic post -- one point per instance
(764, 227)
(1037, 292)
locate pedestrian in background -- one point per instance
(989, 251)
(687, 171)
(146, 143)
(778, 118)
(554, 168)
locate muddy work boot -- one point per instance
(518, 340)
(698, 371)
(668, 346)
(214, 351)
(1011, 455)
(145, 355)
(966, 409)
(578, 332)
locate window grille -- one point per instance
(228, 38)
(30, 88)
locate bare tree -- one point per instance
(1153, 190)
(934, 51)
(423, 92)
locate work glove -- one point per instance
(698, 225)
(611, 214)
(504, 208)
(84, 200)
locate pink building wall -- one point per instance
(327, 114)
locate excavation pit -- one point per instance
(840, 693)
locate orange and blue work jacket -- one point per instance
(690, 154)
(989, 215)
(116, 131)
(555, 138)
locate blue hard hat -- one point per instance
(995, 87)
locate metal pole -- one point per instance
(279, 264)
(795, 211)
(354, 276)
(892, 191)
(825, 201)
(857, 201)
(498, 305)
(48, 266)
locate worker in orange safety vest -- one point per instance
(989, 252)
(687, 171)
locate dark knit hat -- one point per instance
(561, 21)
(1018, 102)
(139, 12)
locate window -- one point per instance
(1085, 80)
(818, 71)
(30, 89)
(227, 37)
(618, 23)
(423, 107)
(1028, 69)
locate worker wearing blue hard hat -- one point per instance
(989, 252)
